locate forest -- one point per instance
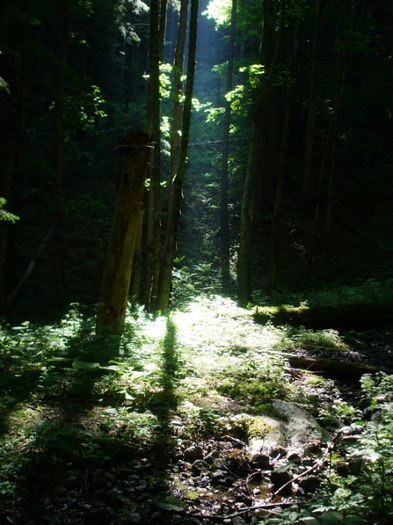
(196, 278)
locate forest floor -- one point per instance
(164, 429)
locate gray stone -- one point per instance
(193, 453)
(198, 466)
(291, 427)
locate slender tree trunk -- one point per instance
(255, 183)
(174, 218)
(136, 275)
(59, 153)
(153, 130)
(135, 151)
(157, 186)
(177, 111)
(312, 106)
(224, 225)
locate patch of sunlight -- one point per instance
(213, 325)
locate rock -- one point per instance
(198, 466)
(301, 427)
(279, 479)
(295, 458)
(310, 484)
(278, 452)
(193, 453)
(261, 461)
(291, 426)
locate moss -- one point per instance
(269, 410)
(261, 426)
(348, 315)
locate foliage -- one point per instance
(363, 492)
(6, 215)
(312, 341)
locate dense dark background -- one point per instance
(103, 93)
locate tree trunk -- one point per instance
(260, 168)
(153, 129)
(224, 226)
(174, 218)
(135, 151)
(177, 109)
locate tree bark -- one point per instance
(174, 217)
(135, 151)
(260, 166)
(177, 110)
(224, 225)
(153, 129)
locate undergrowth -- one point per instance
(71, 402)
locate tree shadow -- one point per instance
(72, 469)
(165, 401)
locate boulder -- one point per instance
(291, 428)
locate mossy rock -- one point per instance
(293, 428)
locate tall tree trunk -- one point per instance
(153, 130)
(157, 186)
(135, 151)
(224, 226)
(255, 182)
(177, 111)
(174, 218)
(312, 106)
(59, 153)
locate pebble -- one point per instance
(198, 466)
(193, 453)
(261, 461)
(279, 479)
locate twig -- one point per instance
(317, 465)
(235, 440)
(263, 507)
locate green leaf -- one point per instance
(84, 365)
(332, 517)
